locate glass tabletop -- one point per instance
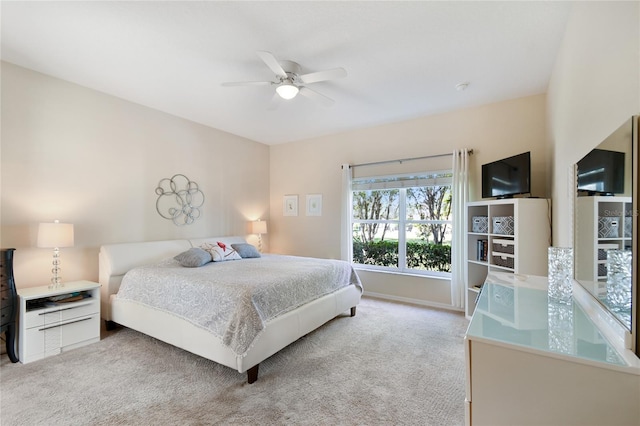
(519, 312)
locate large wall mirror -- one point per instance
(606, 225)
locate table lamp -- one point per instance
(55, 235)
(259, 227)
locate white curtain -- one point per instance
(460, 192)
(346, 243)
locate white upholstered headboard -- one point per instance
(115, 260)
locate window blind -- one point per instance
(438, 178)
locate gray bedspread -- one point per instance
(234, 299)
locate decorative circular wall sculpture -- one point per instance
(179, 200)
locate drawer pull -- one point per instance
(66, 323)
(53, 312)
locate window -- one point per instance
(403, 223)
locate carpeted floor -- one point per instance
(392, 363)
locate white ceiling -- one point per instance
(403, 59)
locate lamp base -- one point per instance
(55, 278)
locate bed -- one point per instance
(264, 331)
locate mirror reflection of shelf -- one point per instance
(602, 223)
(625, 139)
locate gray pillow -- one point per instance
(193, 258)
(245, 250)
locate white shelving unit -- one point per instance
(594, 237)
(520, 249)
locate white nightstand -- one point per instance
(49, 326)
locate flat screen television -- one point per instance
(507, 177)
(601, 172)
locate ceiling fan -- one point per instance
(289, 81)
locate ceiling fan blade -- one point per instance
(272, 63)
(315, 96)
(331, 74)
(275, 102)
(247, 83)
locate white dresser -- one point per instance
(531, 362)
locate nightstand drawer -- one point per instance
(5, 314)
(49, 340)
(41, 317)
(6, 298)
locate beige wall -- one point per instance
(313, 167)
(81, 156)
(595, 87)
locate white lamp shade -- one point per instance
(259, 227)
(56, 234)
(287, 91)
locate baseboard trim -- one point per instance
(411, 301)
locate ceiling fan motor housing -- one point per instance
(293, 70)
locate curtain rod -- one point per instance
(401, 160)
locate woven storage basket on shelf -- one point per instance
(480, 224)
(503, 225)
(503, 246)
(608, 227)
(504, 261)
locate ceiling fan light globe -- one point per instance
(287, 91)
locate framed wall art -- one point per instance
(314, 205)
(290, 205)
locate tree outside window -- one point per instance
(406, 229)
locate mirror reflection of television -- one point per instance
(601, 172)
(507, 177)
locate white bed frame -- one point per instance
(116, 259)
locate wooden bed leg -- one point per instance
(110, 325)
(353, 311)
(252, 374)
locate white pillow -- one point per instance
(221, 252)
